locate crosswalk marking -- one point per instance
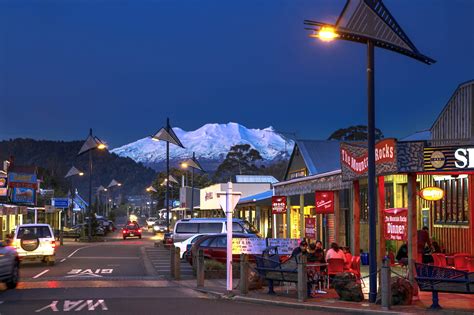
(160, 259)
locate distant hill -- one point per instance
(56, 157)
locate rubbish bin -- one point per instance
(364, 258)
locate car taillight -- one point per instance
(124, 231)
(53, 244)
(139, 230)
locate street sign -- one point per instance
(60, 202)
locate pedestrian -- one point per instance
(335, 252)
(348, 254)
(423, 241)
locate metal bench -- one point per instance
(269, 267)
(438, 279)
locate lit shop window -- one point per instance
(454, 207)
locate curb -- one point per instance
(327, 308)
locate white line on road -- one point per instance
(63, 260)
(40, 274)
(104, 257)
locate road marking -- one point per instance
(104, 257)
(88, 273)
(79, 250)
(77, 305)
(40, 274)
(63, 260)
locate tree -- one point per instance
(354, 133)
(241, 159)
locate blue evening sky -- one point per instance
(121, 67)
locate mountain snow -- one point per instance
(210, 142)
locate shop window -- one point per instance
(454, 207)
(389, 196)
(298, 173)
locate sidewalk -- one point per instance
(286, 297)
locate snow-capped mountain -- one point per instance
(211, 142)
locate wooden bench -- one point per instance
(269, 267)
(438, 279)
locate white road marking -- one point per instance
(63, 260)
(40, 274)
(79, 250)
(104, 257)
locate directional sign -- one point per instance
(60, 202)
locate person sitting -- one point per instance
(347, 253)
(435, 247)
(300, 249)
(335, 252)
(312, 253)
(402, 255)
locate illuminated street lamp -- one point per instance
(193, 164)
(73, 171)
(369, 22)
(91, 143)
(113, 183)
(167, 134)
(150, 189)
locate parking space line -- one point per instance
(40, 274)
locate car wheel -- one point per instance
(124, 238)
(140, 237)
(13, 281)
(50, 260)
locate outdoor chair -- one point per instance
(335, 266)
(439, 260)
(460, 261)
(355, 268)
(470, 263)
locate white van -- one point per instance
(186, 228)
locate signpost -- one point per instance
(228, 200)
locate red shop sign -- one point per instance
(310, 228)
(324, 201)
(396, 224)
(278, 204)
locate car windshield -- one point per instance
(131, 227)
(37, 231)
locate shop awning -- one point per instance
(257, 198)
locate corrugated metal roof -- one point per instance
(255, 179)
(418, 136)
(320, 156)
(258, 197)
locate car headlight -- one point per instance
(156, 228)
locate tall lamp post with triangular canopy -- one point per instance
(91, 143)
(113, 183)
(193, 164)
(167, 134)
(369, 22)
(73, 171)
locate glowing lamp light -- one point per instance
(81, 174)
(101, 146)
(326, 34)
(184, 165)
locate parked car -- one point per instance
(186, 228)
(9, 265)
(151, 221)
(215, 247)
(159, 227)
(186, 244)
(132, 230)
(35, 241)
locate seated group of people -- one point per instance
(316, 253)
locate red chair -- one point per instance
(348, 264)
(355, 268)
(461, 261)
(439, 260)
(470, 264)
(335, 266)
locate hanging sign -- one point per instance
(253, 246)
(310, 228)
(285, 245)
(431, 193)
(278, 204)
(396, 224)
(324, 201)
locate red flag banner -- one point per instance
(278, 204)
(396, 224)
(324, 201)
(310, 228)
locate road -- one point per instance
(118, 277)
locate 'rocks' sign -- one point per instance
(355, 159)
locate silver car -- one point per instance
(9, 266)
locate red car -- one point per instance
(132, 230)
(215, 247)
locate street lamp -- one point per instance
(113, 183)
(167, 134)
(99, 197)
(193, 164)
(172, 181)
(91, 143)
(369, 22)
(73, 171)
(150, 189)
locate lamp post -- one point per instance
(166, 183)
(113, 183)
(193, 164)
(73, 171)
(91, 143)
(167, 134)
(369, 22)
(150, 189)
(99, 198)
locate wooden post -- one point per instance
(244, 277)
(302, 284)
(172, 259)
(412, 235)
(302, 226)
(177, 264)
(356, 214)
(381, 186)
(200, 269)
(386, 285)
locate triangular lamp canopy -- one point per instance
(72, 172)
(170, 137)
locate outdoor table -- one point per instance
(314, 270)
